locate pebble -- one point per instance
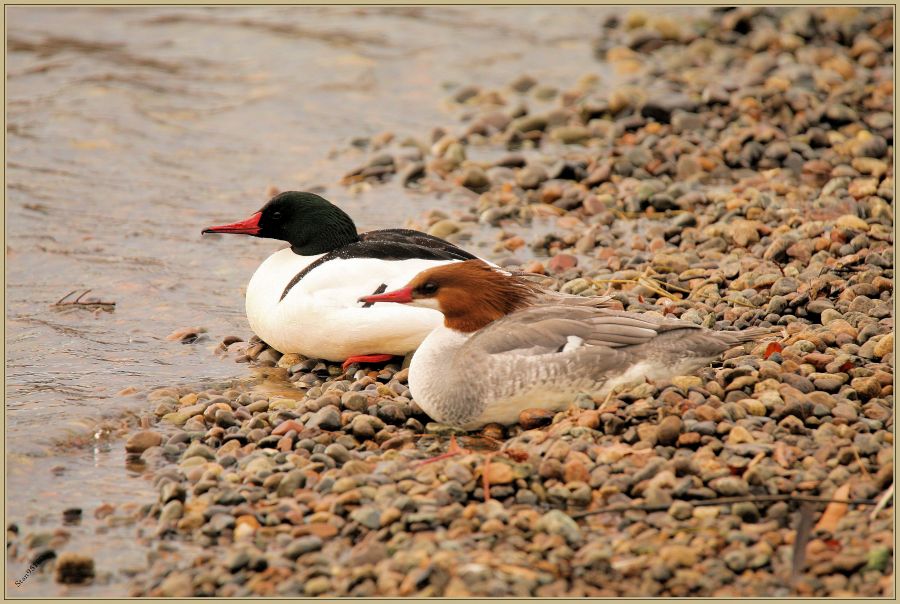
(681, 510)
(531, 177)
(885, 346)
(732, 200)
(327, 418)
(303, 545)
(562, 262)
(74, 568)
(317, 586)
(475, 178)
(499, 473)
(367, 516)
(535, 418)
(678, 556)
(556, 522)
(176, 585)
(669, 429)
(730, 486)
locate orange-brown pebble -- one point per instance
(514, 243)
(535, 418)
(562, 262)
(494, 431)
(287, 426)
(498, 472)
(535, 266)
(286, 444)
(575, 470)
(589, 419)
(248, 520)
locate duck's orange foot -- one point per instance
(366, 358)
(452, 451)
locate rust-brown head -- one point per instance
(470, 294)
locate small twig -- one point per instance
(741, 303)
(653, 285)
(78, 301)
(801, 538)
(649, 283)
(725, 501)
(860, 463)
(59, 302)
(882, 502)
(655, 274)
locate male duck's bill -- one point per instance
(244, 227)
(311, 224)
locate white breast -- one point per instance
(434, 379)
(321, 317)
(471, 392)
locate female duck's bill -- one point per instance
(499, 353)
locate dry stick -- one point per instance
(882, 502)
(741, 303)
(59, 302)
(649, 282)
(804, 528)
(860, 463)
(671, 285)
(653, 285)
(725, 501)
(77, 301)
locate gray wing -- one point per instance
(549, 328)
(556, 328)
(586, 349)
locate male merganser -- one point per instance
(498, 353)
(303, 299)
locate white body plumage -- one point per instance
(321, 316)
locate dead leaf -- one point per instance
(771, 349)
(835, 510)
(783, 455)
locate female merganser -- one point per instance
(498, 353)
(303, 299)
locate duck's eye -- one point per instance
(276, 215)
(429, 288)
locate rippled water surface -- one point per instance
(131, 129)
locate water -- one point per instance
(131, 129)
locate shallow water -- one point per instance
(126, 142)
(131, 129)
